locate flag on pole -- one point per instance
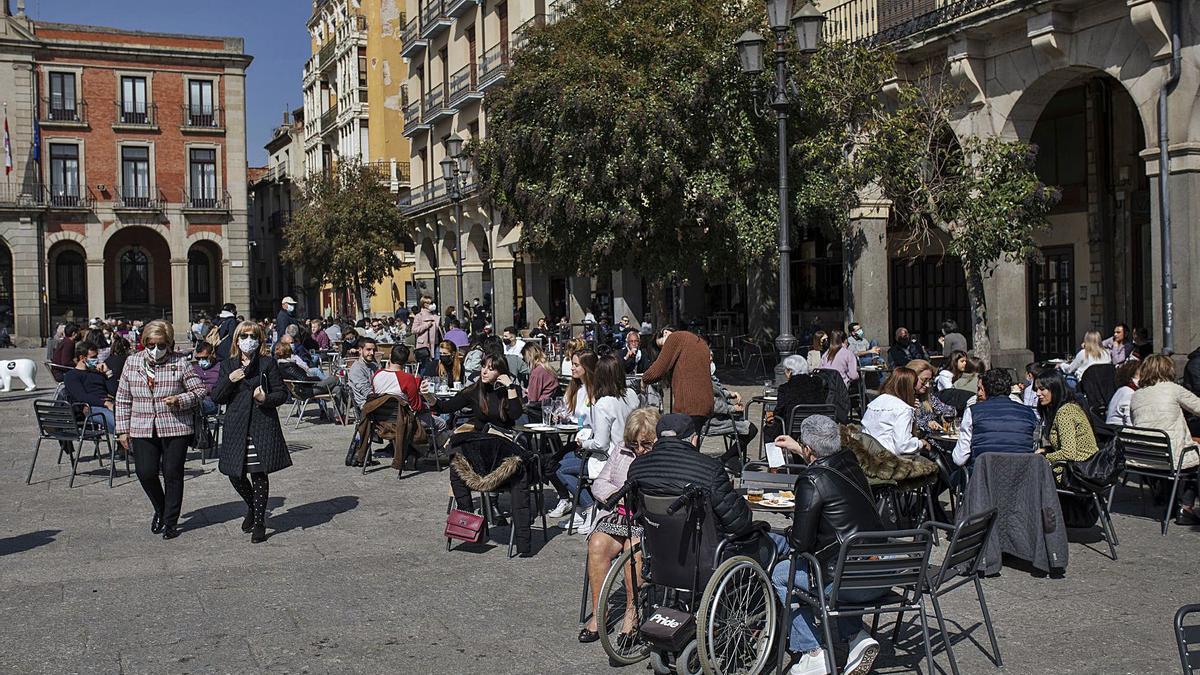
(37, 141)
(8, 165)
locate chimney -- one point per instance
(286, 121)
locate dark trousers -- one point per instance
(165, 455)
(518, 489)
(254, 491)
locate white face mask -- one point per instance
(157, 352)
(712, 368)
(248, 345)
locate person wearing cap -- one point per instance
(685, 356)
(833, 501)
(286, 317)
(677, 463)
(227, 322)
(426, 332)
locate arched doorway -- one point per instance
(68, 282)
(7, 316)
(204, 278)
(1095, 267)
(137, 274)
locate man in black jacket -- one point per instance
(677, 462)
(833, 501)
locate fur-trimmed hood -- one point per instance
(489, 483)
(879, 464)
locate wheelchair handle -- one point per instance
(611, 503)
(690, 493)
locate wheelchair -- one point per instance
(686, 597)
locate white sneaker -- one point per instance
(589, 522)
(561, 509)
(810, 664)
(863, 650)
(577, 521)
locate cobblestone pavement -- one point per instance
(356, 579)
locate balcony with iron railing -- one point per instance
(202, 119)
(325, 58)
(456, 8)
(521, 33)
(411, 42)
(138, 198)
(206, 200)
(493, 65)
(328, 118)
(412, 118)
(558, 9)
(70, 198)
(879, 22)
(135, 117)
(393, 172)
(435, 105)
(18, 195)
(464, 86)
(434, 19)
(60, 113)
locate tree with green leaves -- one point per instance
(625, 138)
(978, 198)
(346, 230)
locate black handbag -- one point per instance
(202, 436)
(1098, 472)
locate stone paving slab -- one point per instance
(356, 579)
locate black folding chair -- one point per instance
(959, 568)
(801, 412)
(1107, 529)
(1187, 637)
(895, 562)
(68, 423)
(1148, 454)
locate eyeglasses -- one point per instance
(247, 335)
(645, 445)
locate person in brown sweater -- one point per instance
(686, 357)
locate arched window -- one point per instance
(199, 277)
(70, 278)
(135, 277)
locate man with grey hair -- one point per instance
(833, 501)
(801, 388)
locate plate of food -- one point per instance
(568, 427)
(777, 502)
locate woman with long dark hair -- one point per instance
(252, 445)
(839, 357)
(495, 398)
(1066, 430)
(155, 396)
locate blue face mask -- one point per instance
(92, 363)
(204, 363)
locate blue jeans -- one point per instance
(569, 469)
(109, 420)
(802, 636)
(208, 407)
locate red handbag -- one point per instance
(464, 526)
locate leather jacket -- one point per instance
(833, 501)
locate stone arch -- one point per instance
(118, 227)
(1024, 114)
(7, 301)
(217, 240)
(134, 287)
(204, 269)
(477, 244)
(66, 279)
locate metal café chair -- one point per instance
(67, 422)
(1148, 454)
(303, 394)
(894, 562)
(1187, 638)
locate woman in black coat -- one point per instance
(251, 388)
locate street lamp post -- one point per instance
(806, 23)
(454, 171)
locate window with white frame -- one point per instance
(201, 108)
(62, 103)
(135, 176)
(203, 174)
(134, 105)
(64, 174)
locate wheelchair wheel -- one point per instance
(619, 612)
(737, 619)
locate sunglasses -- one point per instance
(247, 335)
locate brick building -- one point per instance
(128, 191)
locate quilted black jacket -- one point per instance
(674, 464)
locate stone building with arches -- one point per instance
(128, 191)
(1081, 80)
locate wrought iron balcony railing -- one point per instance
(206, 200)
(136, 115)
(69, 197)
(493, 65)
(200, 118)
(139, 197)
(63, 112)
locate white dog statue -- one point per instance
(25, 369)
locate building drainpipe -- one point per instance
(1164, 180)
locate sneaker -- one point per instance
(561, 509)
(577, 521)
(589, 522)
(863, 650)
(810, 663)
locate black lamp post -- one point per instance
(454, 171)
(806, 23)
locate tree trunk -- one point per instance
(658, 308)
(360, 309)
(981, 340)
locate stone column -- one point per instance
(537, 292)
(447, 281)
(579, 296)
(426, 277)
(95, 287)
(180, 315)
(1007, 296)
(1185, 208)
(23, 243)
(472, 282)
(627, 296)
(866, 254)
(502, 293)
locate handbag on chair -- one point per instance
(464, 526)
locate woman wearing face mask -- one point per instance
(208, 372)
(449, 363)
(155, 397)
(252, 444)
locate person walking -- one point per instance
(155, 397)
(252, 444)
